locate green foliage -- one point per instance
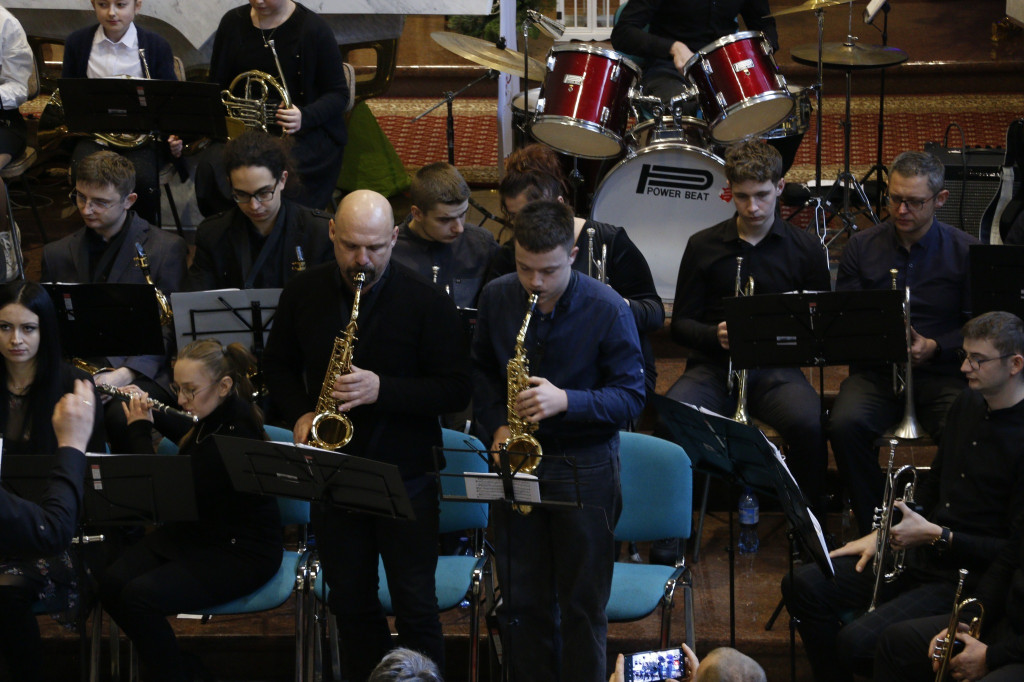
(485, 26)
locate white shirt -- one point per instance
(108, 59)
(15, 61)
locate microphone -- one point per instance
(547, 26)
(874, 7)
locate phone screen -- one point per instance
(648, 666)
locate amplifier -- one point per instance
(976, 189)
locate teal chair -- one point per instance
(292, 575)
(457, 578)
(657, 502)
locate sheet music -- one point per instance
(487, 487)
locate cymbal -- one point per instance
(488, 54)
(809, 6)
(848, 57)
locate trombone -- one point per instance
(889, 563)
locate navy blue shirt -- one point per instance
(935, 269)
(587, 346)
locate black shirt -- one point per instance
(786, 259)
(102, 253)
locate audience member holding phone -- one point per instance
(721, 665)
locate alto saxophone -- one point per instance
(523, 449)
(332, 429)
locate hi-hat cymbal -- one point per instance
(488, 54)
(809, 6)
(848, 56)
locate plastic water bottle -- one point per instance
(749, 516)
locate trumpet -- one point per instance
(739, 379)
(889, 563)
(142, 260)
(596, 268)
(153, 403)
(523, 449)
(908, 427)
(332, 429)
(944, 648)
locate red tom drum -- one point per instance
(739, 87)
(583, 107)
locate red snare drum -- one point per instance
(584, 102)
(739, 87)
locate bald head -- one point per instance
(363, 231)
(728, 665)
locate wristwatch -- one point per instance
(941, 543)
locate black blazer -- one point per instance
(29, 529)
(67, 260)
(223, 260)
(410, 335)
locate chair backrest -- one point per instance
(350, 79)
(461, 453)
(179, 69)
(33, 80)
(657, 489)
(278, 433)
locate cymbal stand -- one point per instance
(817, 95)
(879, 169)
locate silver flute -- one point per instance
(153, 403)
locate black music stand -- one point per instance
(305, 473)
(229, 315)
(92, 319)
(119, 489)
(743, 456)
(997, 278)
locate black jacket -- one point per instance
(409, 334)
(44, 528)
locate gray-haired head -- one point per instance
(728, 665)
(405, 665)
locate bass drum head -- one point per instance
(661, 196)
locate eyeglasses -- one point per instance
(189, 393)
(99, 204)
(912, 204)
(261, 196)
(975, 362)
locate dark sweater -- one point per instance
(78, 47)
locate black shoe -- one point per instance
(664, 552)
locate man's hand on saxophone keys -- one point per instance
(542, 401)
(864, 547)
(358, 387)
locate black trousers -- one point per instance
(865, 407)
(349, 545)
(904, 656)
(162, 576)
(836, 650)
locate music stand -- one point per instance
(119, 489)
(229, 315)
(997, 278)
(91, 319)
(305, 473)
(743, 456)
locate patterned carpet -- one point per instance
(910, 122)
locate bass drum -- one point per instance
(662, 195)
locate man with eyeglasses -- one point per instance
(930, 258)
(104, 251)
(969, 504)
(267, 237)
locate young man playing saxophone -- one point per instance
(409, 365)
(970, 499)
(585, 381)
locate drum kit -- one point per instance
(663, 175)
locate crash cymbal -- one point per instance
(847, 56)
(488, 54)
(809, 6)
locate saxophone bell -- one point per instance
(333, 429)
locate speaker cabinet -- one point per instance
(975, 189)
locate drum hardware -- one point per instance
(888, 562)
(945, 648)
(494, 56)
(809, 6)
(879, 170)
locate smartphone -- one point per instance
(647, 666)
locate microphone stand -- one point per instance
(449, 98)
